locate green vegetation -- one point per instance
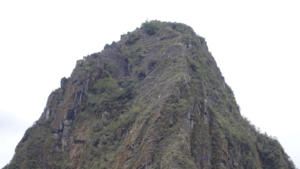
(107, 88)
(150, 28)
(38, 149)
(131, 39)
(156, 99)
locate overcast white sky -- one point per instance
(255, 43)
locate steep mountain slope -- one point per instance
(155, 99)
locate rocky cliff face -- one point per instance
(155, 99)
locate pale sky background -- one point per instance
(255, 44)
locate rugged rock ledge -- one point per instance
(155, 99)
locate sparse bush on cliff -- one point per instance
(150, 27)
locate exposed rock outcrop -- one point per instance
(155, 99)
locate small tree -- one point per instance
(150, 27)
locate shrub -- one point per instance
(131, 39)
(150, 28)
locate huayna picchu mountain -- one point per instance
(153, 100)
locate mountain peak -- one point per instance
(155, 99)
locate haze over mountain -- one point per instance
(155, 99)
